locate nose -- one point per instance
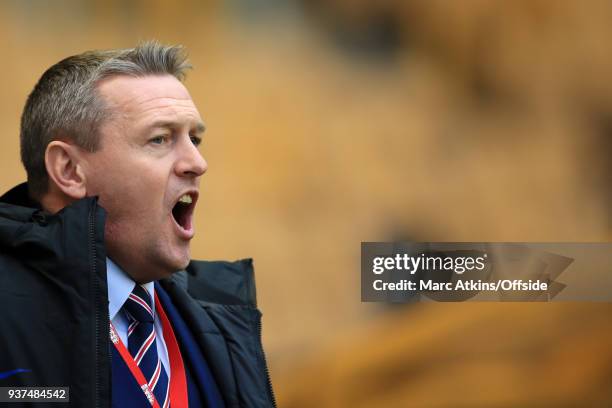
(190, 162)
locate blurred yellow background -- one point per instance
(341, 121)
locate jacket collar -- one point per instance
(20, 195)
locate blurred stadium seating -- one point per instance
(341, 121)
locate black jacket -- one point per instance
(54, 308)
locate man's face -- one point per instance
(147, 173)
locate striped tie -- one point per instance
(142, 344)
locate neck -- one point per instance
(54, 200)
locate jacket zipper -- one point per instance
(96, 293)
(265, 365)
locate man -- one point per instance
(97, 291)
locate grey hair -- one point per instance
(65, 104)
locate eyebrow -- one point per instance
(199, 126)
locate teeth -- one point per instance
(185, 199)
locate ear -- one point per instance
(64, 166)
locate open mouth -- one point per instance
(183, 210)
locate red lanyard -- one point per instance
(178, 381)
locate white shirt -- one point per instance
(120, 285)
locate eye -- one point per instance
(196, 140)
(158, 140)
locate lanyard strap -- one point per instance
(178, 380)
(134, 369)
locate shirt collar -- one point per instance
(120, 285)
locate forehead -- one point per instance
(148, 97)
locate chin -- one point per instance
(166, 263)
(179, 263)
(182, 265)
(166, 270)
